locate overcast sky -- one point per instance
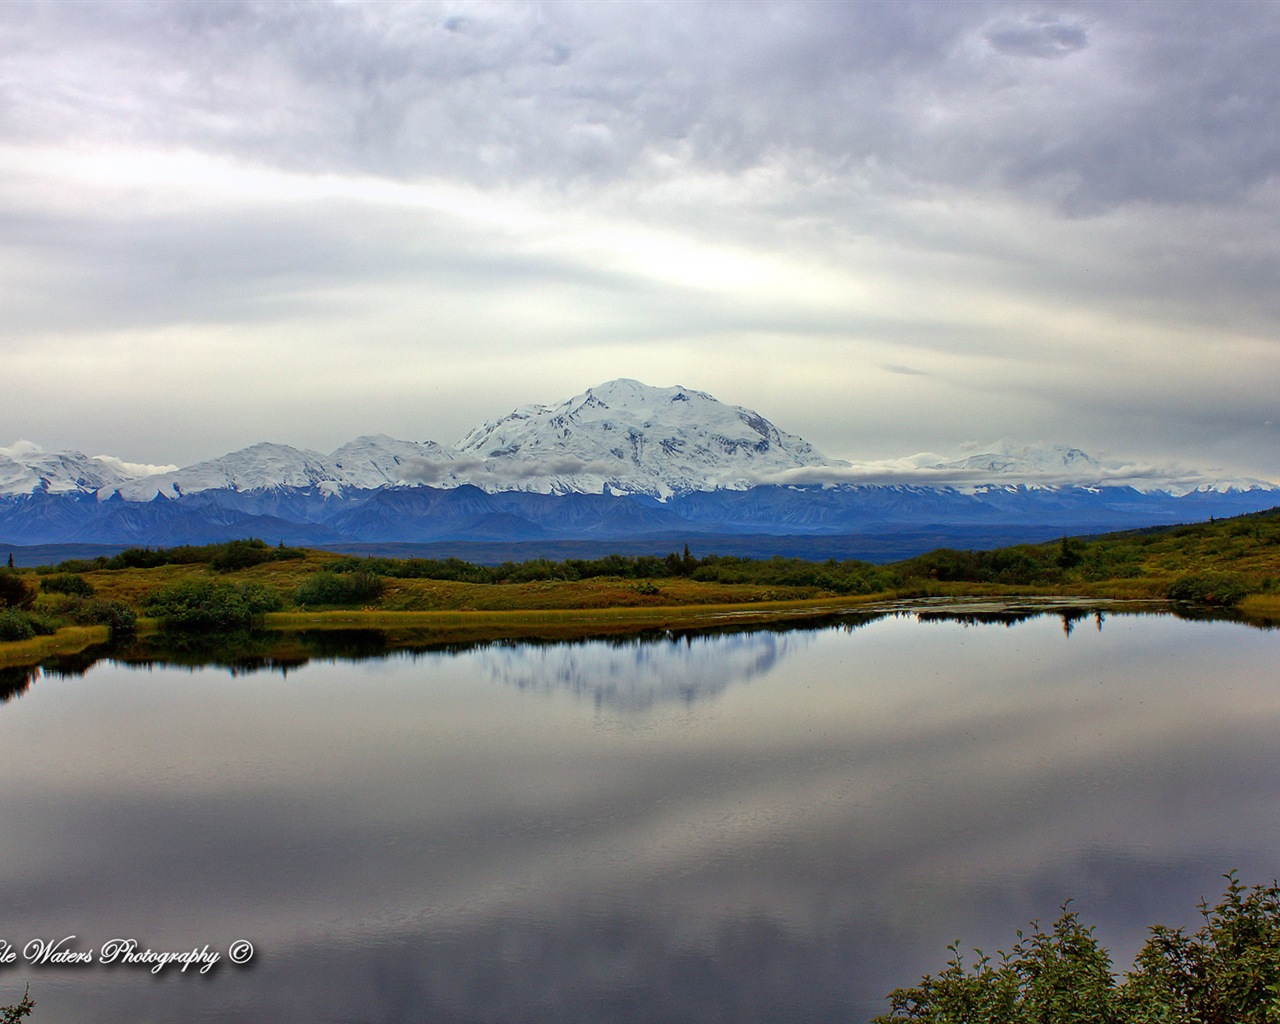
(888, 227)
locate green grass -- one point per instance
(68, 640)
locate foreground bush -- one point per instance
(14, 592)
(207, 606)
(325, 588)
(19, 625)
(14, 625)
(14, 1013)
(1211, 589)
(119, 618)
(1228, 972)
(66, 583)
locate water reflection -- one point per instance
(636, 675)
(752, 826)
(612, 679)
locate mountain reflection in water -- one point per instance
(634, 675)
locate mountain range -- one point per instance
(621, 462)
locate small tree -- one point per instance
(1228, 972)
(13, 1014)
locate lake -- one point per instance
(769, 825)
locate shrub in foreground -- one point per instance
(119, 618)
(327, 588)
(14, 625)
(14, 592)
(209, 606)
(66, 583)
(13, 1013)
(1213, 589)
(20, 625)
(1228, 972)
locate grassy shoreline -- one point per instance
(1225, 567)
(530, 624)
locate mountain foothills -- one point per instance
(622, 461)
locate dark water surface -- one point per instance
(758, 826)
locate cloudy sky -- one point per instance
(889, 227)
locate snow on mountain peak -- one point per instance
(376, 460)
(629, 437)
(621, 436)
(26, 468)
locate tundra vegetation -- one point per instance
(1230, 564)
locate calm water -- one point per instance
(767, 826)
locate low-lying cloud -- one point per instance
(890, 474)
(488, 471)
(924, 470)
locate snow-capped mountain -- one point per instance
(1008, 458)
(632, 438)
(363, 464)
(1047, 465)
(377, 460)
(26, 468)
(258, 467)
(623, 435)
(620, 460)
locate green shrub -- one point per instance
(329, 588)
(19, 625)
(1228, 972)
(242, 554)
(42, 625)
(66, 583)
(14, 592)
(1212, 589)
(14, 625)
(119, 618)
(209, 606)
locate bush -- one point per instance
(327, 588)
(1228, 972)
(14, 625)
(20, 625)
(1211, 589)
(67, 583)
(242, 554)
(119, 618)
(14, 592)
(207, 606)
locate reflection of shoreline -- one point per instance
(282, 651)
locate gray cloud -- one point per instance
(571, 92)
(1038, 36)
(971, 218)
(1135, 475)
